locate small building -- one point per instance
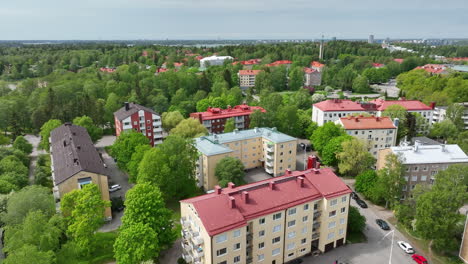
(247, 78)
(412, 106)
(434, 68)
(286, 63)
(332, 110)
(317, 66)
(312, 77)
(271, 221)
(377, 132)
(213, 61)
(75, 162)
(141, 119)
(256, 148)
(378, 65)
(440, 114)
(215, 118)
(423, 162)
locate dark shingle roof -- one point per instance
(425, 141)
(72, 152)
(121, 114)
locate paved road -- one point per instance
(390, 87)
(34, 140)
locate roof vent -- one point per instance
(68, 123)
(288, 172)
(236, 131)
(232, 202)
(316, 171)
(256, 129)
(300, 181)
(317, 165)
(218, 189)
(443, 147)
(245, 197)
(127, 106)
(231, 185)
(271, 185)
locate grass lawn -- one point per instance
(354, 238)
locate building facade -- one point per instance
(312, 77)
(271, 221)
(423, 162)
(377, 132)
(213, 60)
(141, 119)
(258, 147)
(247, 78)
(215, 118)
(75, 162)
(440, 114)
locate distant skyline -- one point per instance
(240, 19)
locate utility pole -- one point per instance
(321, 49)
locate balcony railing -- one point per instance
(197, 239)
(316, 225)
(317, 214)
(316, 235)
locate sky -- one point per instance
(231, 19)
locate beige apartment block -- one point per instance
(258, 147)
(271, 221)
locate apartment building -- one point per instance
(315, 65)
(141, 119)
(247, 78)
(312, 77)
(286, 63)
(377, 132)
(75, 162)
(271, 221)
(440, 114)
(258, 147)
(423, 162)
(332, 110)
(215, 118)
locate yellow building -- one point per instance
(258, 147)
(75, 162)
(271, 221)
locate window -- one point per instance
(332, 214)
(276, 240)
(222, 262)
(276, 216)
(306, 207)
(221, 252)
(424, 178)
(275, 252)
(343, 210)
(342, 221)
(332, 224)
(315, 206)
(425, 168)
(291, 234)
(261, 257)
(261, 245)
(292, 223)
(221, 238)
(303, 241)
(292, 211)
(416, 168)
(237, 233)
(333, 202)
(343, 199)
(261, 221)
(291, 245)
(304, 230)
(331, 235)
(305, 218)
(276, 228)
(281, 154)
(290, 254)
(303, 249)
(404, 188)
(261, 233)
(237, 246)
(341, 231)
(237, 259)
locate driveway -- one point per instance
(34, 140)
(390, 87)
(255, 175)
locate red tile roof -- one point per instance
(370, 122)
(378, 65)
(459, 59)
(308, 70)
(178, 64)
(249, 72)
(410, 105)
(218, 113)
(433, 68)
(399, 60)
(339, 105)
(162, 70)
(105, 69)
(280, 62)
(217, 215)
(317, 64)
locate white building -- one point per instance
(377, 132)
(440, 114)
(214, 60)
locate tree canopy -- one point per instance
(230, 169)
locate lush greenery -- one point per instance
(229, 169)
(14, 171)
(356, 221)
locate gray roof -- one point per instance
(121, 114)
(422, 154)
(212, 144)
(72, 152)
(425, 141)
(460, 68)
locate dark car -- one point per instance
(355, 196)
(361, 203)
(296, 261)
(382, 224)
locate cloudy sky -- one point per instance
(231, 19)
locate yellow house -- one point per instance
(75, 162)
(271, 221)
(258, 147)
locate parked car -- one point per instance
(355, 196)
(419, 259)
(115, 188)
(382, 224)
(295, 261)
(406, 247)
(361, 203)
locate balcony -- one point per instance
(270, 148)
(316, 225)
(269, 163)
(198, 252)
(185, 223)
(269, 170)
(197, 239)
(317, 214)
(315, 235)
(187, 258)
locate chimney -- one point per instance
(288, 172)
(256, 129)
(311, 162)
(218, 189)
(127, 106)
(232, 202)
(300, 181)
(231, 185)
(316, 171)
(236, 131)
(357, 119)
(245, 197)
(443, 147)
(68, 123)
(318, 165)
(377, 119)
(272, 185)
(416, 146)
(432, 105)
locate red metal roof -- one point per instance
(218, 216)
(249, 72)
(410, 105)
(280, 62)
(459, 59)
(339, 105)
(378, 65)
(308, 70)
(433, 68)
(105, 69)
(317, 64)
(370, 122)
(218, 113)
(399, 60)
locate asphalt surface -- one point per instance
(390, 87)
(34, 140)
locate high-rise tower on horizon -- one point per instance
(321, 49)
(371, 39)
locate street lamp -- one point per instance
(391, 246)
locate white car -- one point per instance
(115, 188)
(406, 247)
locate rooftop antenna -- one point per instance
(321, 49)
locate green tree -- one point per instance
(22, 144)
(84, 212)
(135, 244)
(444, 130)
(134, 162)
(171, 120)
(229, 126)
(29, 254)
(455, 114)
(4, 140)
(461, 141)
(398, 111)
(366, 181)
(354, 159)
(405, 214)
(124, 147)
(322, 135)
(94, 131)
(356, 221)
(361, 84)
(229, 169)
(390, 180)
(176, 156)
(189, 128)
(333, 147)
(296, 78)
(45, 132)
